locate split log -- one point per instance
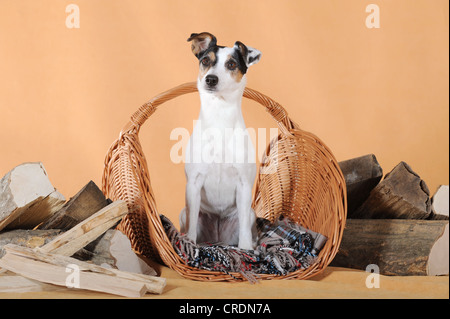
(18, 284)
(113, 249)
(397, 247)
(401, 194)
(88, 230)
(27, 238)
(86, 202)
(53, 269)
(361, 175)
(440, 201)
(27, 197)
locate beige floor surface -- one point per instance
(332, 283)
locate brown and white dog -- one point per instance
(220, 158)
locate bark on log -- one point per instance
(27, 238)
(401, 194)
(86, 202)
(397, 247)
(361, 175)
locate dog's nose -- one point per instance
(212, 80)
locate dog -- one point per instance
(220, 162)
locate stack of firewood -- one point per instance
(45, 240)
(393, 222)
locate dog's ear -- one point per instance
(201, 42)
(251, 56)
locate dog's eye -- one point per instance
(231, 65)
(206, 61)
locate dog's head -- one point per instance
(222, 69)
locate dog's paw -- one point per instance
(246, 244)
(192, 237)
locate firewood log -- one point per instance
(113, 249)
(27, 197)
(27, 237)
(396, 246)
(88, 230)
(401, 194)
(86, 202)
(440, 201)
(361, 175)
(53, 269)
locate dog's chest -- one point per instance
(219, 189)
(220, 135)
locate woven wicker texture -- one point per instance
(299, 178)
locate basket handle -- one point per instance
(275, 109)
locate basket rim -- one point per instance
(278, 113)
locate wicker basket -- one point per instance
(301, 179)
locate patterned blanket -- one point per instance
(283, 247)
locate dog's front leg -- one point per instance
(246, 215)
(193, 198)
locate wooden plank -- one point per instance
(88, 230)
(12, 283)
(86, 202)
(52, 268)
(396, 246)
(27, 197)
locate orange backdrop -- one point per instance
(65, 93)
